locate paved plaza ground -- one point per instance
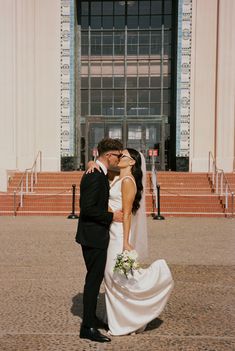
(42, 274)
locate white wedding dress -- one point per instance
(132, 303)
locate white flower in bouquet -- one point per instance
(126, 263)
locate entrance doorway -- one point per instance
(146, 135)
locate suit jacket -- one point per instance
(94, 219)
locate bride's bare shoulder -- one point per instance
(128, 181)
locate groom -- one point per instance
(93, 233)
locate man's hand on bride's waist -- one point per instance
(118, 216)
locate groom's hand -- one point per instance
(118, 216)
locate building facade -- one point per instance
(158, 74)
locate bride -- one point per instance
(132, 302)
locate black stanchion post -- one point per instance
(158, 216)
(72, 214)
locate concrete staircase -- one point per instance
(182, 194)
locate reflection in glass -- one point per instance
(107, 7)
(144, 22)
(132, 22)
(107, 22)
(96, 8)
(95, 109)
(95, 22)
(144, 7)
(119, 22)
(156, 6)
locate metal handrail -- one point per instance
(23, 186)
(220, 185)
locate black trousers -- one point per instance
(95, 260)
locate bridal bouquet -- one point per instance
(126, 263)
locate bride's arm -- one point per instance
(92, 165)
(128, 196)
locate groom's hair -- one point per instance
(108, 144)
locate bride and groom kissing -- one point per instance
(113, 220)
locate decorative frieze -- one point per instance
(183, 78)
(67, 78)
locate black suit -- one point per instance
(93, 235)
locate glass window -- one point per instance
(144, 22)
(166, 81)
(84, 21)
(144, 49)
(132, 7)
(119, 7)
(84, 82)
(84, 95)
(166, 95)
(155, 109)
(96, 8)
(155, 95)
(156, 21)
(155, 81)
(144, 38)
(143, 95)
(84, 108)
(95, 109)
(131, 82)
(156, 6)
(107, 95)
(85, 8)
(166, 109)
(95, 82)
(107, 82)
(131, 96)
(84, 38)
(132, 49)
(167, 37)
(132, 38)
(168, 6)
(119, 22)
(107, 109)
(156, 50)
(108, 22)
(96, 96)
(85, 50)
(144, 7)
(107, 7)
(96, 50)
(132, 22)
(119, 95)
(119, 49)
(119, 109)
(132, 109)
(95, 22)
(143, 82)
(108, 38)
(134, 132)
(143, 109)
(167, 21)
(119, 82)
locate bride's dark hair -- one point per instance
(138, 175)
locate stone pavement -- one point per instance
(41, 282)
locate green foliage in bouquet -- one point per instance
(126, 263)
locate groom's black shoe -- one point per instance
(100, 324)
(93, 334)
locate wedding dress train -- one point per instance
(132, 303)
